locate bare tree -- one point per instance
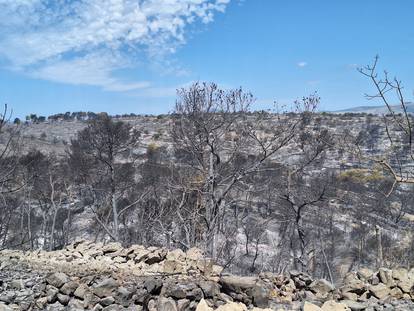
(103, 160)
(221, 144)
(398, 124)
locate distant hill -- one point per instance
(376, 109)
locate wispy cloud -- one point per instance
(87, 41)
(302, 64)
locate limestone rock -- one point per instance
(203, 306)
(69, 288)
(238, 283)
(166, 304)
(321, 287)
(380, 291)
(57, 279)
(332, 305)
(307, 306)
(354, 305)
(105, 288)
(365, 274)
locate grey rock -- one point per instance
(57, 279)
(166, 304)
(69, 288)
(107, 301)
(63, 299)
(105, 287)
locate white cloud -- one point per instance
(86, 41)
(302, 64)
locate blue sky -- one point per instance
(124, 56)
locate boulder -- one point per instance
(307, 306)
(354, 305)
(155, 256)
(232, 306)
(210, 289)
(260, 295)
(69, 288)
(400, 274)
(203, 306)
(81, 291)
(153, 286)
(4, 307)
(176, 255)
(385, 276)
(365, 274)
(321, 287)
(166, 304)
(105, 287)
(237, 284)
(57, 279)
(107, 301)
(380, 291)
(194, 254)
(332, 305)
(112, 248)
(63, 299)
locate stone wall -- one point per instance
(88, 276)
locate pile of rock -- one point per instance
(88, 276)
(84, 257)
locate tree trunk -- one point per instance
(52, 231)
(114, 206)
(380, 257)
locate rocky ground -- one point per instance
(88, 276)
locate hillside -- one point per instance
(90, 276)
(340, 227)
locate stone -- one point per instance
(307, 306)
(400, 274)
(107, 301)
(75, 305)
(396, 293)
(354, 305)
(380, 291)
(365, 274)
(332, 305)
(57, 279)
(350, 296)
(260, 296)
(166, 304)
(7, 296)
(183, 304)
(153, 286)
(237, 284)
(113, 308)
(55, 307)
(111, 248)
(90, 300)
(232, 306)
(63, 299)
(194, 254)
(4, 307)
(176, 255)
(81, 291)
(203, 306)
(105, 287)
(210, 289)
(406, 285)
(69, 288)
(123, 296)
(51, 294)
(16, 284)
(155, 256)
(321, 287)
(385, 276)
